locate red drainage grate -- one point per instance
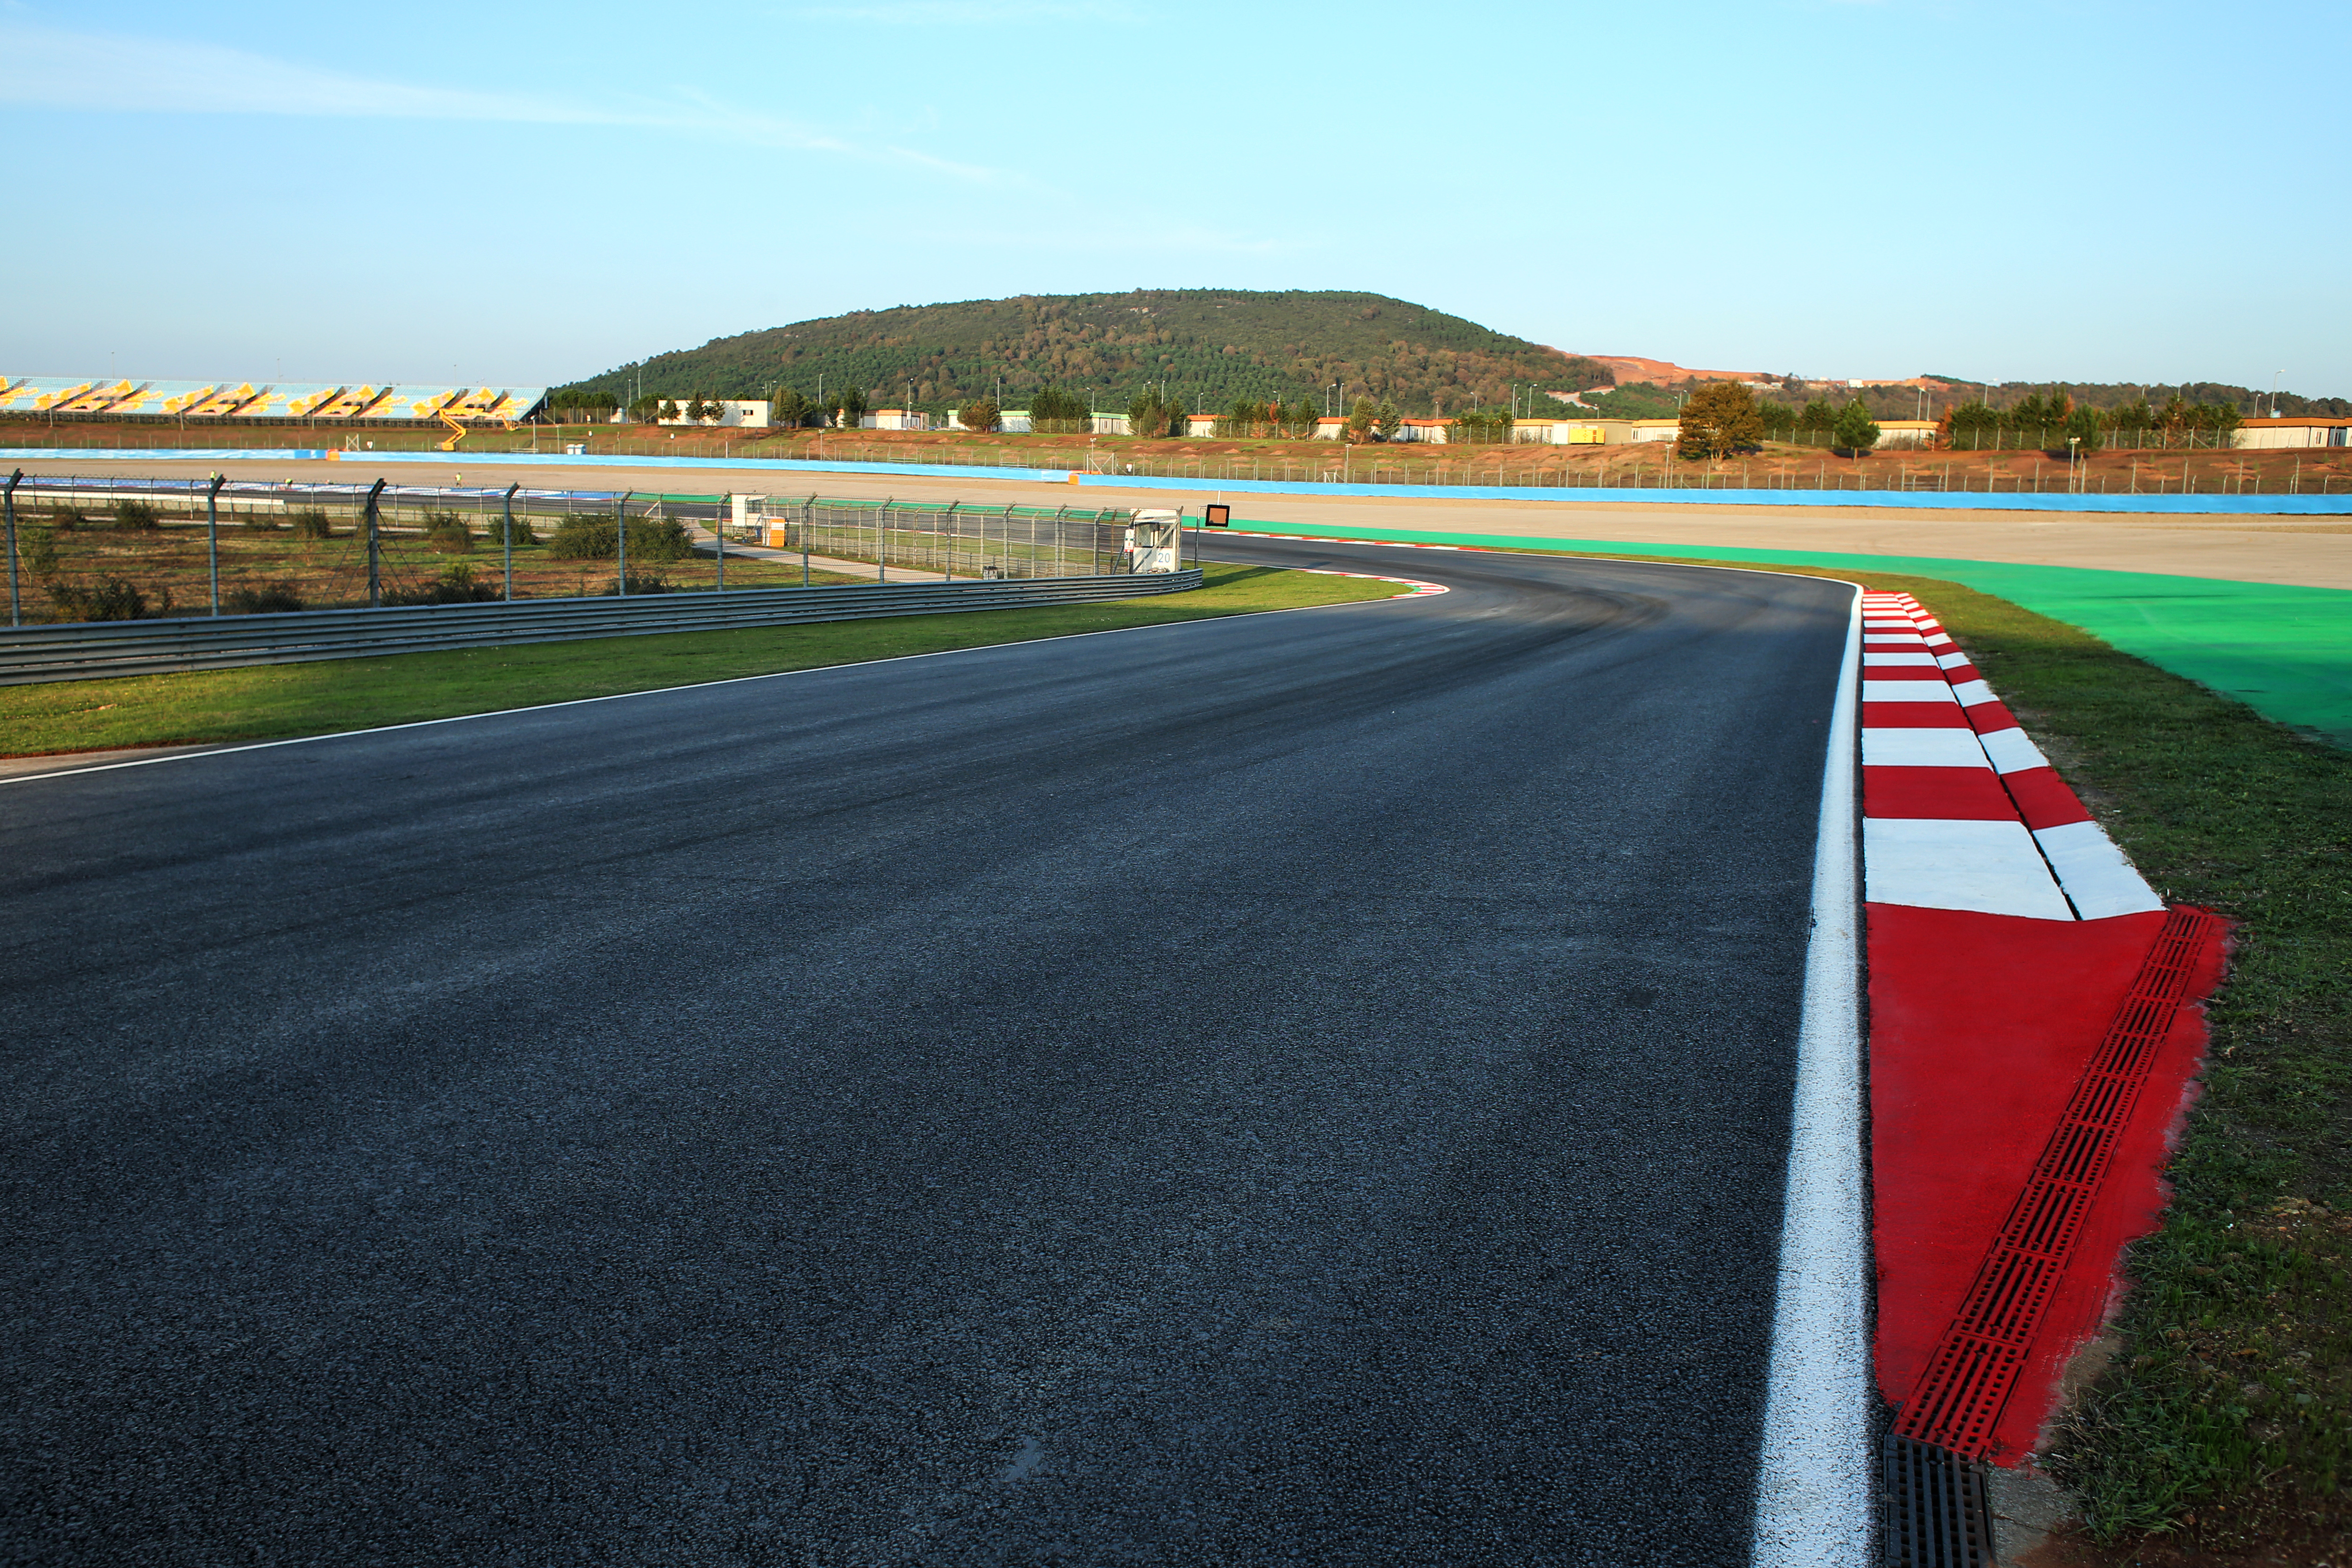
(1960, 1397)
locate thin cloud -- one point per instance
(52, 69)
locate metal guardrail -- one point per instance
(85, 649)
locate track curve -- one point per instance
(1299, 1088)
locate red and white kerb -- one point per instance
(1961, 810)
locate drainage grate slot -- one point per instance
(1937, 1515)
(1959, 1400)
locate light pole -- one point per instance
(2275, 381)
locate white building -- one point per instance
(734, 413)
(894, 420)
(2336, 431)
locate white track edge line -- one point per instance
(1815, 1491)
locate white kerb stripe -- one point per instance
(2012, 751)
(2095, 872)
(1938, 863)
(1882, 747)
(1972, 692)
(1948, 660)
(1816, 1487)
(1893, 639)
(1906, 691)
(1921, 659)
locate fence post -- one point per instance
(718, 533)
(212, 535)
(15, 617)
(621, 544)
(808, 516)
(882, 542)
(506, 503)
(374, 550)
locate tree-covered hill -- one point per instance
(1210, 347)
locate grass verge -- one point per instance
(273, 702)
(2220, 1431)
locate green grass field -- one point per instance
(274, 702)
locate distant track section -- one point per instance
(86, 649)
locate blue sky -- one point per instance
(524, 193)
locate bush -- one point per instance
(492, 529)
(263, 599)
(113, 599)
(66, 519)
(310, 522)
(594, 538)
(454, 586)
(650, 583)
(449, 532)
(136, 516)
(261, 522)
(40, 551)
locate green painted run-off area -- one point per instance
(2285, 651)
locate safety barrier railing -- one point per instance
(85, 649)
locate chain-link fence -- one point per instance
(82, 548)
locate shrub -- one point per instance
(66, 519)
(449, 532)
(492, 529)
(111, 599)
(135, 516)
(651, 583)
(41, 551)
(310, 522)
(593, 539)
(454, 586)
(263, 599)
(261, 522)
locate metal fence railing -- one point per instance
(106, 548)
(89, 650)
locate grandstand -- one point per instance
(315, 402)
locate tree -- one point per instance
(1360, 419)
(1720, 418)
(1855, 431)
(852, 406)
(982, 415)
(1818, 418)
(702, 411)
(1145, 416)
(1969, 425)
(2083, 429)
(792, 410)
(1388, 422)
(667, 411)
(645, 410)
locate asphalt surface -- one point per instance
(1301, 1089)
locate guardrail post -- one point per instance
(621, 543)
(374, 550)
(15, 617)
(507, 501)
(212, 535)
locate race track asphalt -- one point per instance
(1301, 1089)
